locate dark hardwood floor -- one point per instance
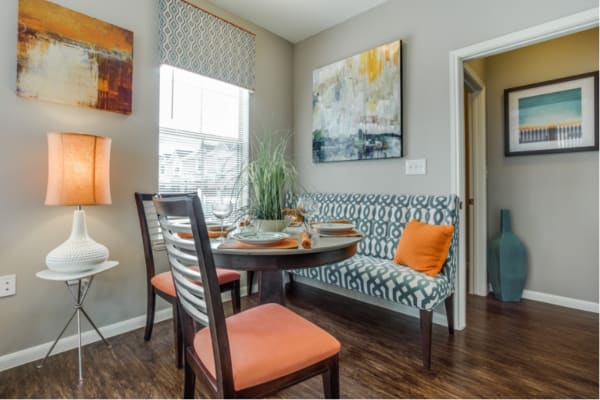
(516, 350)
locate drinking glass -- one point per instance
(222, 210)
(307, 207)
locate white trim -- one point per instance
(561, 301)
(549, 30)
(478, 172)
(438, 318)
(70, 342)
(66, 343)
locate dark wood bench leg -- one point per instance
(449, 303)
(426, 322)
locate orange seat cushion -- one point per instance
(266, 343)
(424, 247)
(164, 280)
(164, 283)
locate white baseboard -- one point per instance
(561, 301)
(90, 336)
(70, 342)
(438, 318)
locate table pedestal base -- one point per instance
(270, 287)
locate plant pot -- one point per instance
(271, 225)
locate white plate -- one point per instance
(261, 237)
(333, 227)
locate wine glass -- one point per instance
(307, 207)
(222, 210)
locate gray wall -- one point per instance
(553, 198)
(31, 230)
(429, 30)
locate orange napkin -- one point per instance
(306, 242)
(211, 234)
(335, 221)
(349, 232)
(287, 243)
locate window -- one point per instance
(203, 140)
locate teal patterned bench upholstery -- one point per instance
(371, 271)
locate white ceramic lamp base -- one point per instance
(79, 252)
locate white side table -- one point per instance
(78, 283)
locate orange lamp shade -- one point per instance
(78, 169)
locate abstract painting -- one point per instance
(555, 116)
(71, 58)
(357, 106)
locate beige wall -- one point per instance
(553, 198)
(30, 230)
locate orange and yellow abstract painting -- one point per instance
(71, 58)
(357, 106)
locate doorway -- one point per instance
(553, 29)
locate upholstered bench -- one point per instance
(372, 271)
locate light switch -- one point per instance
(416, 167)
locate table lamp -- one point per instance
(78, 175)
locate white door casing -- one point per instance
(546, 31)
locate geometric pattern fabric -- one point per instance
(199, 42)
(382, 218)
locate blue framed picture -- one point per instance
(556, 116)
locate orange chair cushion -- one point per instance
(266, 343)
(164, 280)
(424, 247)
(164, 283)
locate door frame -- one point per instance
(478, 172)
(546, 31)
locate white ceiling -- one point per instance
(296, 20)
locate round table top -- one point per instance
(325, 250)
(71, 276)
(320, 245)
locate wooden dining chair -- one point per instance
(251, 354)
(162, 283)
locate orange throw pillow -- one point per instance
(424, 247)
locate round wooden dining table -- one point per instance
(272, 262)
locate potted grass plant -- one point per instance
(270, 175)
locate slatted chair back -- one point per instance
(152, 239)
(201, 303)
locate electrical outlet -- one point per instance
(416, 167)
(8, 285)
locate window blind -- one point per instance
(203, 137)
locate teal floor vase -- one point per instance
(507, 262)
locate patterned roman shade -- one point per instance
(197, 41)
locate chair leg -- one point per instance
(235, 297)
(150, 307)
(449, 303)
(331, 380)
(249, 280)
(189, 382)
(426, 322)
(178, 336)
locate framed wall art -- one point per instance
(555, 116)
(71, 58)
(357, 106)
